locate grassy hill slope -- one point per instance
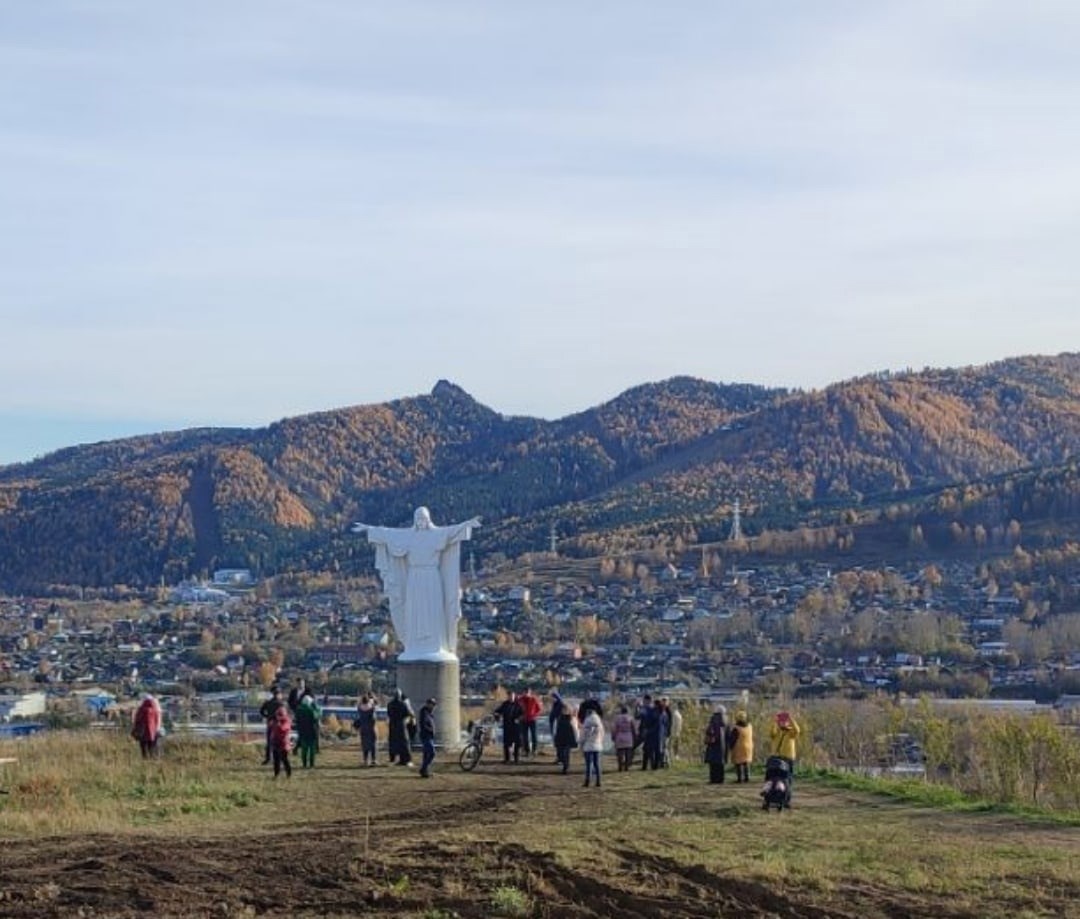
(206, 831)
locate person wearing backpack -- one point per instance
(146, 726)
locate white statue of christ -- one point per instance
(420, 568)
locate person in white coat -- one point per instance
(592, 743)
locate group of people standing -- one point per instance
(518, 715)
(729, 741)
(404, 727)
(734, 742)
(654, 726)
(282, 715)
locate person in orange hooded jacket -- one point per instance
(146, 726)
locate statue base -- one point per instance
(441, 680)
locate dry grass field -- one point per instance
(88, 829)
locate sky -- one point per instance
(224, 214)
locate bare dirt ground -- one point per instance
(522, 840)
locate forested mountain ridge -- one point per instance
(889, 433)
(143, 509)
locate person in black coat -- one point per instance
(716, 745)
(427, 737)
(651, 732)
(268, 712)
(511, 714)
(565, 737)
(296, 694)
(365, 727)
(398, 714)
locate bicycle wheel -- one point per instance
(470, 756)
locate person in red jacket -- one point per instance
(530, 714)
(281, 742)
(146, 726)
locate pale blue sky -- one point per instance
(228, 213)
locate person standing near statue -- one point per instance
(511, 713)
(427, 737)
(398, 713)
(420, 570)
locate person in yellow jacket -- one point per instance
(742, 746)
(783, 737)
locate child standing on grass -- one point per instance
(592, 743)
(280, 742)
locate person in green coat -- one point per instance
(307, 730)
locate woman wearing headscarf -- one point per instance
(716, 745)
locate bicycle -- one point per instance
(480, 737)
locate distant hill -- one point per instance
(661, 455)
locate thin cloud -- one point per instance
(239, 212)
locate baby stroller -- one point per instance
(776, 792)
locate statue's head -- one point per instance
(422, 519)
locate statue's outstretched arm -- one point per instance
(461, 531)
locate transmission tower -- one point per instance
(553, 540)
(736, 524)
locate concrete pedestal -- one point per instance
(441, 680)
